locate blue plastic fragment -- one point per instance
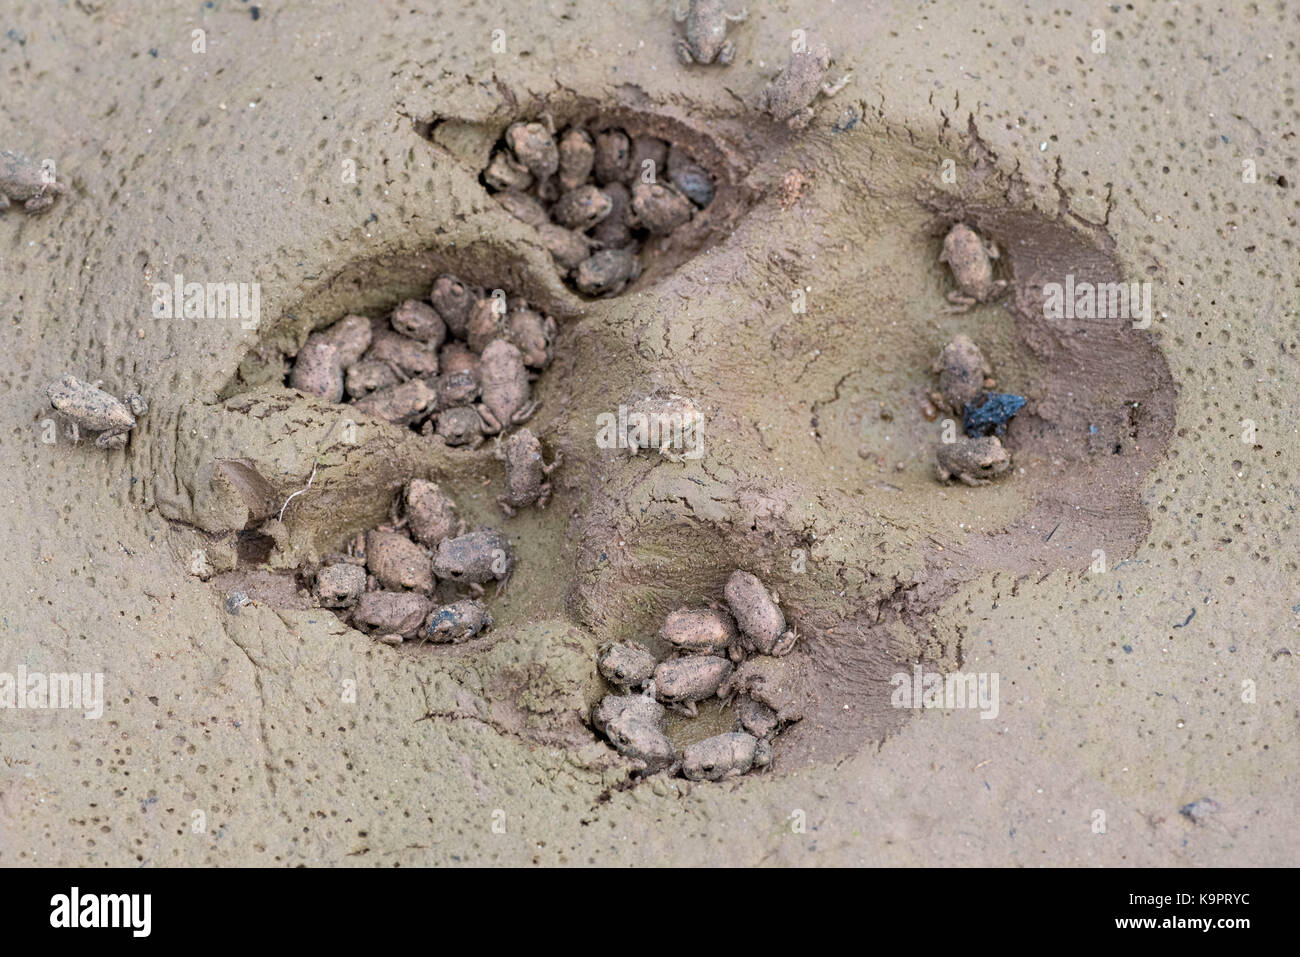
(992, 415)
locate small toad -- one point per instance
(706, 32)
(759, 617)
(460, 425)
(504, 387)
(724, 756)
(526, 472)
(963, 373)
(581, 208)
(340, 585)
(397, 562)
(626, 664)
(681, 682)
(391, 613)
(613, 160)
(671, 424)
(631, 707)
(569, 248)
(788, 97)
(430, 512)
(971, 260)
(504, 172)
(454, 299)
(533, 333)
(93, 409)
(607, 272)
(30, 183)
(756, 718)
(473, 558)
(973, 461)
(577, 156)
(700, 631)
(408, 403)
(660, 208)
(534, 146)
(457, 622)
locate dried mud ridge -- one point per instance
(1099, 417)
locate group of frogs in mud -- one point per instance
(716, 651)
(596, 196)
(789, 96)
(965, 375)
(419, 576)
(457, 367)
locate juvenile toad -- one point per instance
(699, 631)
(626, 664)
(971, 260)
(473, 558)
(634, 726)
(526, 472)
(577, 156)
(94, 410)
(724, 756)
(681, 682)
(457, 622)
(973, 461)
(607, 272)
(430, 513)
(660, 208)
(397, 562)
(460, 425)
(504, 387)
(391, 613)
(632, 707)
(706, 32)
(28, 182)
(405, 404)
(532, 333)
(453, 300)
(671, 424)
(787, 98)
(759, 617)
(964, 374)
(534, 146)
(340, 585)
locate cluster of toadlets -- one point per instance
(457, 367)
(420, 575)
(716, 652)
(596, 197)
(965, 376)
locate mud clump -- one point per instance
(596, 196)
(732, 653)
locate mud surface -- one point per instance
(1129, 580)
